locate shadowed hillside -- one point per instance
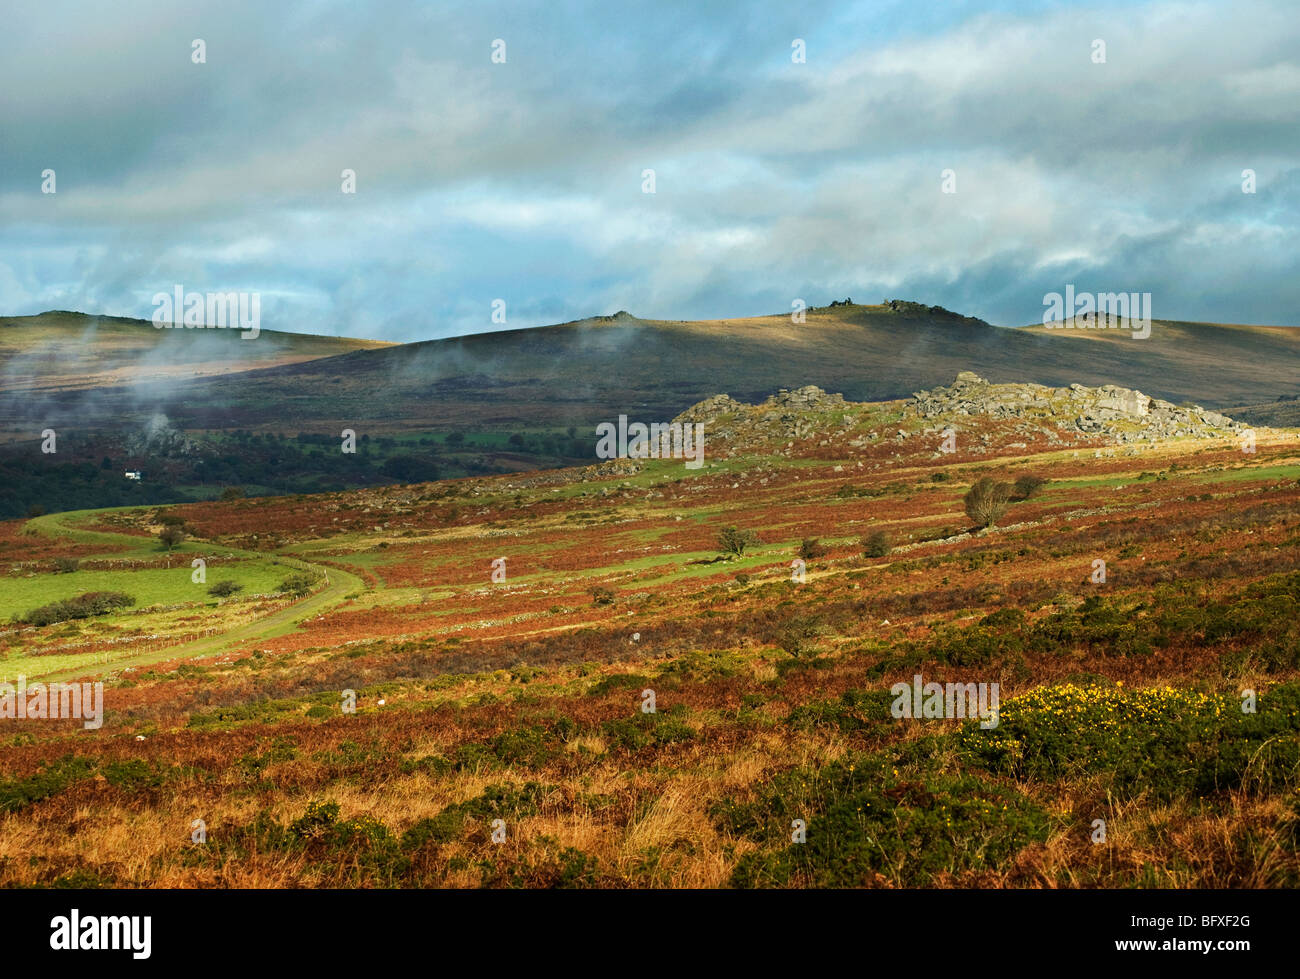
(583, 372)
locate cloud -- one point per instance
(522, 181)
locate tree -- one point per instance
(232, 493)
(986, 501)
(409, 469)
(811, 548)
(1027, 486)
(876, 544)
(734, 541)
(171, 535)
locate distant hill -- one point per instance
(1274, 414)
(60, 351)
(584, 372)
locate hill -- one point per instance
(196, 411)
(63, 351)
(584, 372)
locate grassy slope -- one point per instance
(257, 572)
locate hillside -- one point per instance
(1283, 413)
(1119, 611)
(61, 351)
(583, 372)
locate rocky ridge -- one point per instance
(1121, 413)
(1062, 416)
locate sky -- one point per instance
(523, 180)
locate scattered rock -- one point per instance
(1125, 414)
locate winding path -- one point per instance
(341, 584)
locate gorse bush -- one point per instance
(455, 822)
(866, 823)
(224, 588)
(856, 710)
(1163, 741)
(800, 635)
(643, 730)
(51, 779)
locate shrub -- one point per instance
(82, 607)
(50, 779)
(133, 775)
(618, 681)
(232, 493)
(1167, 742)
(298, 584)
(867, 823)
(66, 565)
(986, 501)
(643, 730)
(732, 540)
(171, 535)
(224, 588)
(602, 596)
(316, 821)
(800, 635)
(811, 548)
(876, 544)
(856, 710)
(1027, 486)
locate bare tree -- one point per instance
(733, 541)
(986, 501)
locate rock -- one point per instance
(1122, 412)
